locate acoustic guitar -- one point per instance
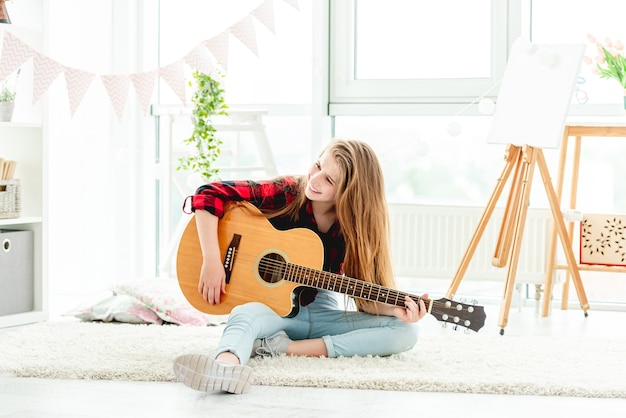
(267, 265)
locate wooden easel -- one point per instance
(522, 161)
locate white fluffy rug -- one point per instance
(455, 362)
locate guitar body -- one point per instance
(258, 239)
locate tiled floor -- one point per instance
(23, 397)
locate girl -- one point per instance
(343, 200)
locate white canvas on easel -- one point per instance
(535, 94)
(530, 115)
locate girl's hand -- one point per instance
(212, 283)
(212, 280)
(414, 311)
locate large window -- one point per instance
(424, 163)
(408, 57)
(435, 165)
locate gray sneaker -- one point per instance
(206, 374)
(271, 346)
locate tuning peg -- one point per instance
(474, 302)
(444, 325)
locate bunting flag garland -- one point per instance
(265, 14)
(14, 54)
(218, 46)
(46, 70)
(77, 83)
(244, 31)
(144, 85)
(174, 76)
(199, 59)
(293, 3)
(204, 58)
(117, 87)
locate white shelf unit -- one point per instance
(24, 141)
(25, 144)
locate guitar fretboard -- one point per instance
(345, 285)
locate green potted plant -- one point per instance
(7, 102)
(208, 101)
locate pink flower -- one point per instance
(587, 60)
(610, 63)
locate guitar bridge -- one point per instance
(229, 257)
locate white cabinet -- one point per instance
(24, 141)
(25, 144)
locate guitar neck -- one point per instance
(347, 285)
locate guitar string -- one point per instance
(442, 310)
(359, 286)
(310, 276)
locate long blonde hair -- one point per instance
(361, 208)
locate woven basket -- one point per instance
(10, 205)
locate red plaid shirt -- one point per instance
(271, 194)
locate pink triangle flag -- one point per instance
(117, 88)
(244, 31)
(174, 76)
(77, 82)
(293, 3)
(199, 59)
(218, 47)
(14, 53)
(144, 86)
(265, 14)
(45, 71)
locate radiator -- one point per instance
(430, 241)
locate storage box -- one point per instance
(10, 199)
(603, 240)
(16, 271)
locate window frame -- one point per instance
(350, 96)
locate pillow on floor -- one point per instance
(116, 308)
(164, 297)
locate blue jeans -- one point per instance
(345, 333)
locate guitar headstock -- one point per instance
(457, 313)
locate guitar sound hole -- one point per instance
(272, 268)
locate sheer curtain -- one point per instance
(99, 210)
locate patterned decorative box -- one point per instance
(603, 240)
(10, 205)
